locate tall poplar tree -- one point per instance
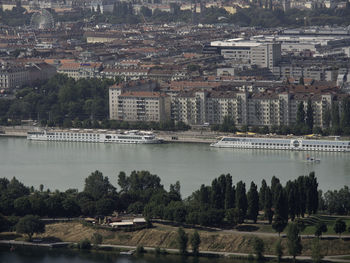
(345, 114)
(293, 240)
(281, 205)
(241, 199)
(291, 195)
(300, 114)
(335, 115)
(262, 193)
(229, 198)
(268, 213)
(253, 202)
(309, 115)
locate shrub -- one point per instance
(84, 244)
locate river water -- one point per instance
(38, 255)
(63, 165)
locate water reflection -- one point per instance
(39, 255)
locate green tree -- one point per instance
(182, 239)
(4, 223)
(84, 244)
(292, 199)
(316, 249)
(262, 193)
(279, 224)
(22, 206)
(309, 115)
(301, 81)
(96, 239)
(321, 227)
(97, 185)
(278, 248)
(281, 205)
(29, 225)
(228, 125)
(327, 117)
(345, 114)
(300, 114)
(229, 192)
(241, 199)
(339, 226)
(259, 248)
(195, 242)
(268, 213)
(293, 240)
(335, 115)
(253, 202)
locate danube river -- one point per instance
(63, 165)
(26, 255)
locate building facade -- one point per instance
(245, 108)
(143, 106)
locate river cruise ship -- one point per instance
(87, 135)
(283, 144)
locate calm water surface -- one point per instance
(63, 165)
(26, 255)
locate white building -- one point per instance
(262, 54)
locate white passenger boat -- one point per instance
(88, 135)
(283, 144)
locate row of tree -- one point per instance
(220, 204)
(64, 102)
(223, 203)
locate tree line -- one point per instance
(220, 204)
(68, 103)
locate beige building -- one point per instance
(12, 76)
(141, 106)
(78, 70)
(17, 75)
(252, 109)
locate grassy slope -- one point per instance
(165, 237)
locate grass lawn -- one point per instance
(329, 220)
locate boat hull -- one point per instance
(282, 144)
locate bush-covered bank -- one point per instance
(166, 237)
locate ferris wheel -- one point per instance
(42, 19)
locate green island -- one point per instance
(274, 222)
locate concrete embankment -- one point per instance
(34, 244)
(14, 131)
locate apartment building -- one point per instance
(136, 101)
(199, 107)
(247, 108)
(143, 106)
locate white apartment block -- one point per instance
(138, 105)
(252, 109)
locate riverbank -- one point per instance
(203, 135)
(219, 243)
(168, 136)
